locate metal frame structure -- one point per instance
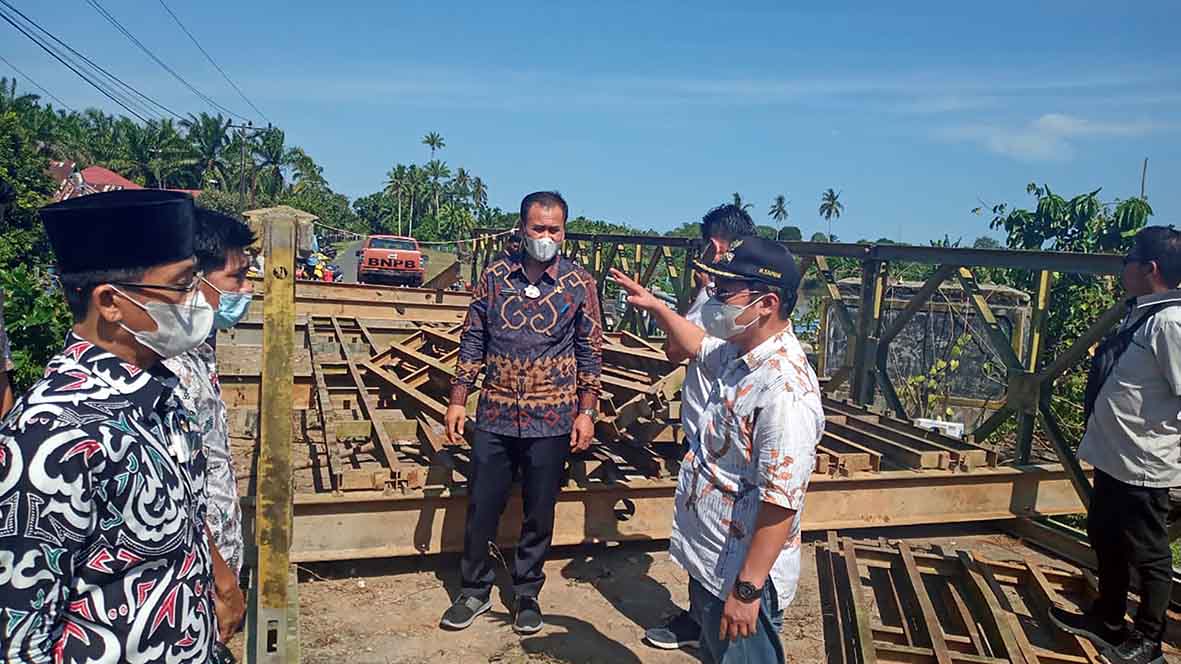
(1030, 376)
(356, 377)
(886, 602)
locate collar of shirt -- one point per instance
(102, 364)
(766, 350)
(516, 263)
(1156, 298)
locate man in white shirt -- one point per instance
(736, 529)
(1133, 440)
(719, 227)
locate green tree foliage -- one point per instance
(36, 317)
(1083, 223)
(830, 208)
(791, 234)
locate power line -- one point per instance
(35, 83)
(95, 66)
(212, 62)
(57, 57)
(147, 51)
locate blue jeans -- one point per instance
(762, 648)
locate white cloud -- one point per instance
(1049, 137)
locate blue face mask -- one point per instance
(231, 308)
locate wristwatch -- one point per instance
(590, 412)
(746, 591)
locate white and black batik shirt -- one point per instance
(103, 555)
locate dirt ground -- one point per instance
(597, 603)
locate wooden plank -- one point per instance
(930, 620)
(861, 617)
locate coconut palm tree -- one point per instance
(778, 210)
(479, 193)
(436, 171)
(272, 156)
(434, 141)
(207, 136)
(739, 204)
(462, 183)
(11, 101)
(305, 172)
(830, 207)
(397, 184)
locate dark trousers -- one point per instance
(1127, 529)
(540, 463)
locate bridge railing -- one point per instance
(1030, 375)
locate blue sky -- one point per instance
(650, 113)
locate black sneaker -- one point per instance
(682, 631)
(463, 612)
(1136, 649)
(528, 618)
(1088, 626)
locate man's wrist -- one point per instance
(458, 395)
(745, 591)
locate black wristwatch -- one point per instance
(746, 591)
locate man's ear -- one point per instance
(102, 301)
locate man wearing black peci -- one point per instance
(102, 518)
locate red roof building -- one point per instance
(92, 180)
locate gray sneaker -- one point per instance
(463, 612)
(528, 619)
(682, 631)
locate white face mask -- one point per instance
(179, 327)
(721, 319)
(542, 249)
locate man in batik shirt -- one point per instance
(736, 529)
(533, 331)
(103, 551)
(220, 246)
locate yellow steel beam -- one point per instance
(274, 509)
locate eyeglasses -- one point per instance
(192, 286)
(727, 295)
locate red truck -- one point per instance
(391, 259)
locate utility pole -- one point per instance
(1144, 180)
(242, 129)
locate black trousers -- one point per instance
(1127, 529)
(540, 463)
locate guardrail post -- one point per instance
(273, 506)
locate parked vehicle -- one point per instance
(391, 259)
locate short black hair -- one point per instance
(545, 199)
(727, 222)
(218, 235)
(79, 286)
(1161, 244)
(787, 300)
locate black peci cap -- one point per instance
(758, 260)
(125, 229)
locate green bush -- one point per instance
(37, 320)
